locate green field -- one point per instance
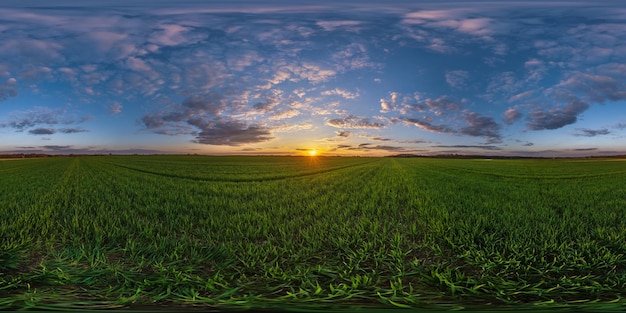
(144, 231)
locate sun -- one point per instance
(312, 152)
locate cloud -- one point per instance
(32, 118)
(352, 121)
(425, 125)
(369, 146)
(7, 90)
(153, 121)
(285, 127)
(415, 141)
(214, 119)
(596, 88)
(72, 130)
(271, 101)
(585, 132)
(505, 83)
(56, 147)
(424, 16)
(469, 147)
(457, 79)
(42, 131)
(334, 25)
(390, 104)
(481, 126)
(41, 116)
(480, 27)
(521, 96)
(376, 138)
(172, 35)
(442, 105)
(311, 72)
(232, 133)
(511, 115)
(540, 119)
(353, 57)
(116, 108)
(284, 114)
(343, 133)
(341, 92)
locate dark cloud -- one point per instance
(412, 141)
(585, 132)
(427, 125)
(72, 130)
(469, 147)
(152, 121)
(232, 133)
(42, 131)
(442, 105)
(369, 146)
(56, 147)
(264, 107)
(42, 116)
(271, 101)
(50, 131)
(481, 126)
(586, 149)
(380, 139)
(209, 119)
(556, 118)
(343, 133)
(353, 122)
(213, 103)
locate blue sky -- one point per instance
(531, 78)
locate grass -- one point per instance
(276, 232)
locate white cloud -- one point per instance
(333, 25)
(421, 17)
(169, 35)
(341, 92)
(281, 115)
(312, 73)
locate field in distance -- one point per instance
(271, 232)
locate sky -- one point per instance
(369, 78)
